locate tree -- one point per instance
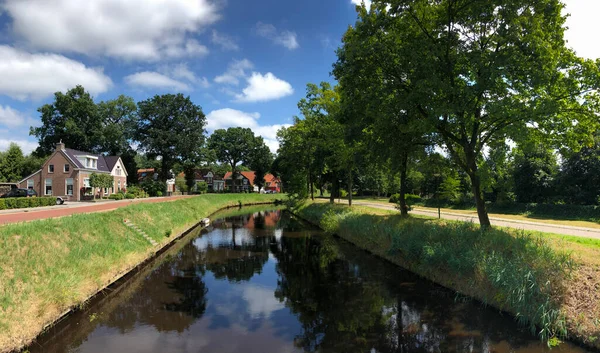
(101, 180)
(11, 164)
(233, 146)
(535, 173)
(119, 120)
(172, 127)
(202, 187)
(579, 178)
(477, 71)
(260, 161)
(73, 119)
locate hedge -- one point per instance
(26, 202)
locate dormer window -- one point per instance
(89, 162)
(118, 171)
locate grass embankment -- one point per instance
(550, 283)
(49, 266)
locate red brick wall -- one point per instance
(59, 177)
(37, 186)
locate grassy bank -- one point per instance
(549, 283)
(49, 266)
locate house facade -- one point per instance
(245, 182)
(66, 173)
(215, 182)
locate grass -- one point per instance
(547, 282)
(49, 266)
(527, 217)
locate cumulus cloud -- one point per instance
(359, 2)
(132, 29)
(150, 79)
(262, 88)
(182, 72)
(26, 146)
(225, 118)
(287, 39)
(235, 71)
(36, 76)
(10, 117)
(224, 41)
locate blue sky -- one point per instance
(246, 63)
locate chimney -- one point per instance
(60, 146)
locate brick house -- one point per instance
(245, 182)
(214, 182)
(66, 173)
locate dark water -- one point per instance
(265, 282)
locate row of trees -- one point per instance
(165, 132)
(465, 77)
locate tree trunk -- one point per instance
(350, 188)
(484, 219)
(332, 191)
(403, 177)
(312, 187)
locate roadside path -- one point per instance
(31, 214)
(500, 222)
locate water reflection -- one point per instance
(265, 282)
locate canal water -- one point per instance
(268, 282)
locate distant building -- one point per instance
(245, 182)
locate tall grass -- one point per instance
(48, 266)
(514, 271)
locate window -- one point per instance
(105, 191)
(118, 171)
(91, 163)
(86, 182)
(245, 181)
(48, 188)
(67, 168)
(30, 184)
(69, 183)
(50, 168)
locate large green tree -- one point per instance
(170, 126)
(477, 71)
(11, 164)
(237, 145)
(73, 118)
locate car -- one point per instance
(20, 193)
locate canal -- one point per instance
(268, 282)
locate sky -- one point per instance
(246, 63)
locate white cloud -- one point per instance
(150, 79)
(224, 41)
(225, 118)
(261, 301)
(263, 88)
(235, 71)
(287, 39)
(36, 76)
(26, 146)
(180, 72)
(132, 29)
(582, 24)
(359, 2)
(10, 117)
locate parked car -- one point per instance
(20, 193)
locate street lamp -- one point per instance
(340, 191)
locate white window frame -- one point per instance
(86, 183)
(30, 184)
(65, 167)
(67, 186)
(50, 165)
(46, 187)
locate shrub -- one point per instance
(129, 196)
(394, 198)
(22, 202)
(33, 201)
(159, 193)
(117, 196)
(2, 204)
(11, 203)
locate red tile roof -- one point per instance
(248, 175)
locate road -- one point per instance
(70, 208)
(500, 222)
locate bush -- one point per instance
(411, 199)
(129, 196)
(137, 192)
(11, 203)
(117, 196)
(2, 204)
(22, 202)
(159, 193)
(394, 198)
